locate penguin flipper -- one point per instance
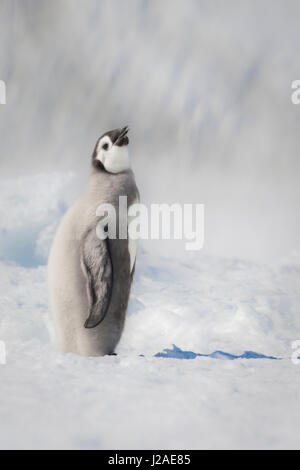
(97, 266)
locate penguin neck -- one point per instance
(99, 174)
(101, 180)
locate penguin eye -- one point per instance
(105, 146)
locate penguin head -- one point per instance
(111, 151)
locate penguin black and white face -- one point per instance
(111, 151)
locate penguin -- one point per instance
(90, 277)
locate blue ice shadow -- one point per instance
(177, 353)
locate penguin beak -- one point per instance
(122, 138)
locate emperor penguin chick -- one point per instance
(89, 276)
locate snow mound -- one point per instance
(29, 211)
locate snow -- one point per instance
(183, 377)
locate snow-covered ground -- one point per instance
(142, 399)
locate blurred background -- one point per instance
(205, 87)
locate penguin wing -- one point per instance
(97, 266)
